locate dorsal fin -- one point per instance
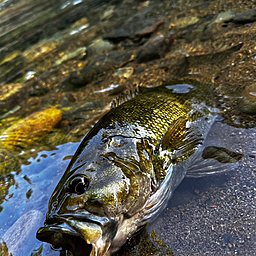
(124, 97)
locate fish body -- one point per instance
(127, 167)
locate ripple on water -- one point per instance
(22, 216)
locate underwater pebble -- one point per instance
(245, 17)
(24, 227)
(225, 17)
(98, 65)
(154, 49)
(184, 22)
(100, 46)
(10, 95)
(76, 54)
(247, 104)
(31, 128)
(108, 13)
(125, 72)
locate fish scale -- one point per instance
(127, 167)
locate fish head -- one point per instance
(91, 210)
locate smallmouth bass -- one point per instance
(127, 167)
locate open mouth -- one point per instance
(64, 239)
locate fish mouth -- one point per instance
(63, 238)
(80, 237)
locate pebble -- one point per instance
(76, 54)
(154, 49)
(184, 22)
(225, 17)
(98, 65)
(100, 46)
(125, 72)
(10, 95)
(31, 128)
(247, 104)
(245, 17)
(17, 235)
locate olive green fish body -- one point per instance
(127, 167)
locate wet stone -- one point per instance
(247, 104)
(10, 67)
(125, 72)
(76, 54)
(99, 46)
(108, 13)
(79, 79)
(225, 17)
(184, 22)
(220, 154)
(245, 17)
(134, 26)
(100, 64)
(30, 129)
(10, 95)
(38, 91)
(68, 98)
(154, 49)
(109, 60)
(23, 228)
(227, 238)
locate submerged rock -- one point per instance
(76, 54)
(100, 46)
(245, 17)
(142, 24)
(10, 95)
(25, 227)
(247, 104)
(184, 22)
(100, 64)
(124, 73)
(31, 128)
(225, 17)
(154, 49)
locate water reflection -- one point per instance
(22, 215)
(45, 48)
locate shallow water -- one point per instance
(28, 199)
(43, 42)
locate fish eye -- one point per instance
(79, 185)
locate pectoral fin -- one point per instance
(180, 139)
(179, 143)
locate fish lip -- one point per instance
(56, 228)
(44, 233)
(74, 231)
(83, 216)
(63, 237)
(60, 223)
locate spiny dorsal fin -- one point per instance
(125, 97)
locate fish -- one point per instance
(127, 167)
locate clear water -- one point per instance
(214, 215)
